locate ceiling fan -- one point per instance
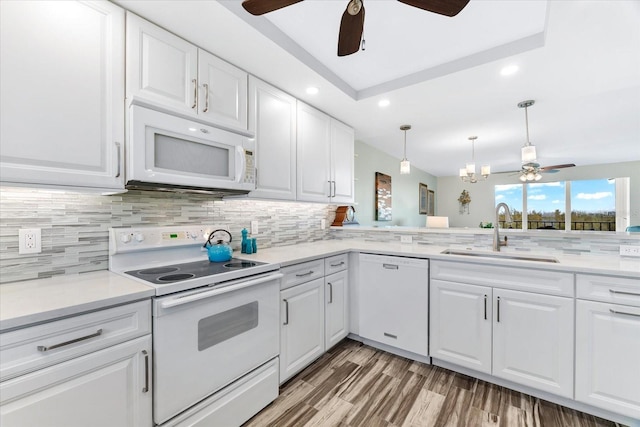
(531, 169)
(352, 22)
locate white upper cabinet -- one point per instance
(272, 117)
(62, 85)
(325, 158)
(161, 67)
(168, 72)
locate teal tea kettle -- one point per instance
(220, 251)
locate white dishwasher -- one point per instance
(394, 301)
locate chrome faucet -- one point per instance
(496, 226)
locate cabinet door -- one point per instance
(336, 316)
(223, 90)
(460, 324)
(342, 152)
(533, 340)
(161, 67)
(272, 117)
(105, 388)
(608, 357)
(314, 155)
(302, 327)
(62, 85)
(394, 302)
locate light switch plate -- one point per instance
(630, 250)
(406, 239)
(254, 227)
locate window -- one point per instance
(511, 194)
(546, 204)
(593, 205)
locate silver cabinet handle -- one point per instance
(329, 188)
(613, 291)
(338, 264)
(334, 188)
(286, 312)
(195, 93)
(622, 312)
(498, 318)
(485, 307)
(386, 334)
(390, 266)
(145, 389)
(119, 159)
(206, 98)
(305, 274)
(62, 344)
(330, 293)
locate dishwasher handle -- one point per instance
(218, 291)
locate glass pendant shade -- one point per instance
(471, 168)
(405, 167)
(468, 173)
(529, 154)
(485, 171)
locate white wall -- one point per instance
(404, 188)
(482, 193)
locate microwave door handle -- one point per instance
(241, 164)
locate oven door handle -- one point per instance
(219, 291)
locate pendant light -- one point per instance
(530, 166)
(405, 165)
(468, 173)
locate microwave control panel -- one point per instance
(250, 172)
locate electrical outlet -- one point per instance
(406, 239)
(29, 241)
(323, 224)
(254, 227)
(630, 250)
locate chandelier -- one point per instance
(468, 173)
(530, 166)
(405, 166)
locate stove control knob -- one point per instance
(126, 238)
(139, 237)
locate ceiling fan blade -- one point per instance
(260, 7)
(351, 27)
(441, 7)
(552, 169)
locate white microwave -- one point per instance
(165, 151)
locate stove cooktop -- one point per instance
(168, 274)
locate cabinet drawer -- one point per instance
(301, 273)
(519, 279)
(28, 349)
(620, 290)
(336, 263)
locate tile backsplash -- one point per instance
(75, 225)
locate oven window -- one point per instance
(220, 327)
(188, 156)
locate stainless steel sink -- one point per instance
(480, 254)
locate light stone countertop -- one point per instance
(36, 301)
(42, 300)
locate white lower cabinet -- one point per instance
(460, 324)
(608, 356)
(302, 327)
(523, 337)
(107, 388)
(336, 322)
(533, 340)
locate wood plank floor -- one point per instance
(357, 385)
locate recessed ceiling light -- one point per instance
(311, 90)
(193, 129)
(383, 103)
(509, 70)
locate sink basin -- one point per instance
(479, 254)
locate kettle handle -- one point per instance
(211, 236)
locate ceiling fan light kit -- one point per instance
(352, 22)
(405, 165)
(468, 173)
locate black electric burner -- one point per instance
(190, 270)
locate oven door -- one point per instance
(205, 339)
(166, 149)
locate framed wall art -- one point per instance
(422, 198)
